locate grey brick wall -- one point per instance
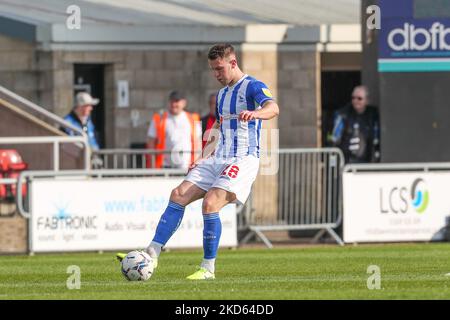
(151, 75)
(18, 71)
(47, 78)
(299, 99)
(13, 235)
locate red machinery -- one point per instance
(11, 164)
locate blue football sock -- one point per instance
(212, 229)
(168, 223)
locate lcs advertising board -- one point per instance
(414, 36)
(111, 214)
(393, 206)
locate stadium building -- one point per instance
(130, 54)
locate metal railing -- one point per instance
(387, 167)
(56, 142)
(28, 176)
(304, 194)
(32, 108)
(134, 158)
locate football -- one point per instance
(137, 266)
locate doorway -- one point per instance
(90, 78)
(337, 87)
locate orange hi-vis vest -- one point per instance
(160, 126)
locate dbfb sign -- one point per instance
(414, 36)
(395, 206)
(419, 39)
(111, 214)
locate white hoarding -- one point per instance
(111, 214)
(395, 206)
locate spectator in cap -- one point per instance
(80, 117)
(176, 131)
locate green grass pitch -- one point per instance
(408, 271)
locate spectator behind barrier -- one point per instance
(356, 129)
(80, 117)
(174, 130)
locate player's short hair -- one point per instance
(220, 50)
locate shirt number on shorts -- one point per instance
(231, 171)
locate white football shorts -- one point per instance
(234, 175)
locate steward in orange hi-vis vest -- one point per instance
(159, 121)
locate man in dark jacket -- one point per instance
(356, 129)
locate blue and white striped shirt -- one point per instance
(239, 138)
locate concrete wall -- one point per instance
(18, 67)
(262, 64)
(47, 78)
(13, 234)
(294, 80)
(151, 75)
(299, 99)
(292, 76)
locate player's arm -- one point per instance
(261, 95)
(268, 111)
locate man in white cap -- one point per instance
(80, 116)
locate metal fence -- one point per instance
(9, 98)
(56, 142)
(26, 177)
(304, 194)
(7, 202)
(131, 158)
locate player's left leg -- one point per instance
(233, 183)
(214, 200)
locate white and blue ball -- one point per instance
(137, 266)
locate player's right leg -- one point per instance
(170, 220)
